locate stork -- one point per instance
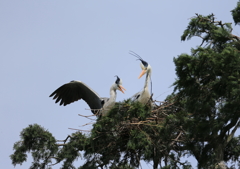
(144, 95)
(76, 90)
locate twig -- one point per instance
(65, 139)
(87, 124)
(218, 23)
(80, 130)
(87, 116)
(176, 139)
(56, 160)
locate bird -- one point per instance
(76, 90)
(144, 95)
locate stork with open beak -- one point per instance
(143, 96)
(76, 90)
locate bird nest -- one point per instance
(128, 115)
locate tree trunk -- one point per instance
(155, 159)
(155, 163)
(219, 151)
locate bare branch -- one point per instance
(229, 138)
(56, 160)
(65, 139)
(80, 130)
(176, 139)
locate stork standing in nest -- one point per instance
(144, 95)
(76, 90)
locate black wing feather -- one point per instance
(74, 91)
(135, 96)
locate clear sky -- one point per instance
(44, 44)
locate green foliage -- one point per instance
(131, 132)
(71, 151)
(232, 150)
(118, 133)
(39, 142)
(214, 34)
(208, 89)
(236, 14)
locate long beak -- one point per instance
(142, 73)
(121, 88)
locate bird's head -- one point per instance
(145, 68)
(144, 65)
(118, 84)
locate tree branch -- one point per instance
(65, 139)
(229, 138)
(229, 126)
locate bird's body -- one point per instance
(76, 90)
(142, 97)
(110, 102)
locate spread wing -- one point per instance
(74, 91)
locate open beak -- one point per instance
(121, 88)
(142, 73)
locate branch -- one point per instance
(80, 130)
(65, 139)
(218, 23)
(229, 126)
(235, 37)
(229, 138)
(60, 144)
(211, 21)
(176, 139)
(203, 40)
(56, 160)
(85, 125)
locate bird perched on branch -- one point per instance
(76, 90)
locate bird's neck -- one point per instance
(148, 78)
(111, 102)
(113, 93)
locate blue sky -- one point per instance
(44, 44)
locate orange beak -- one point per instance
(142, 73)
(121, 88)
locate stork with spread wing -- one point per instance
(76, 90)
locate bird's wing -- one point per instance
(74, 91)
(136, 96)
(104, 100)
